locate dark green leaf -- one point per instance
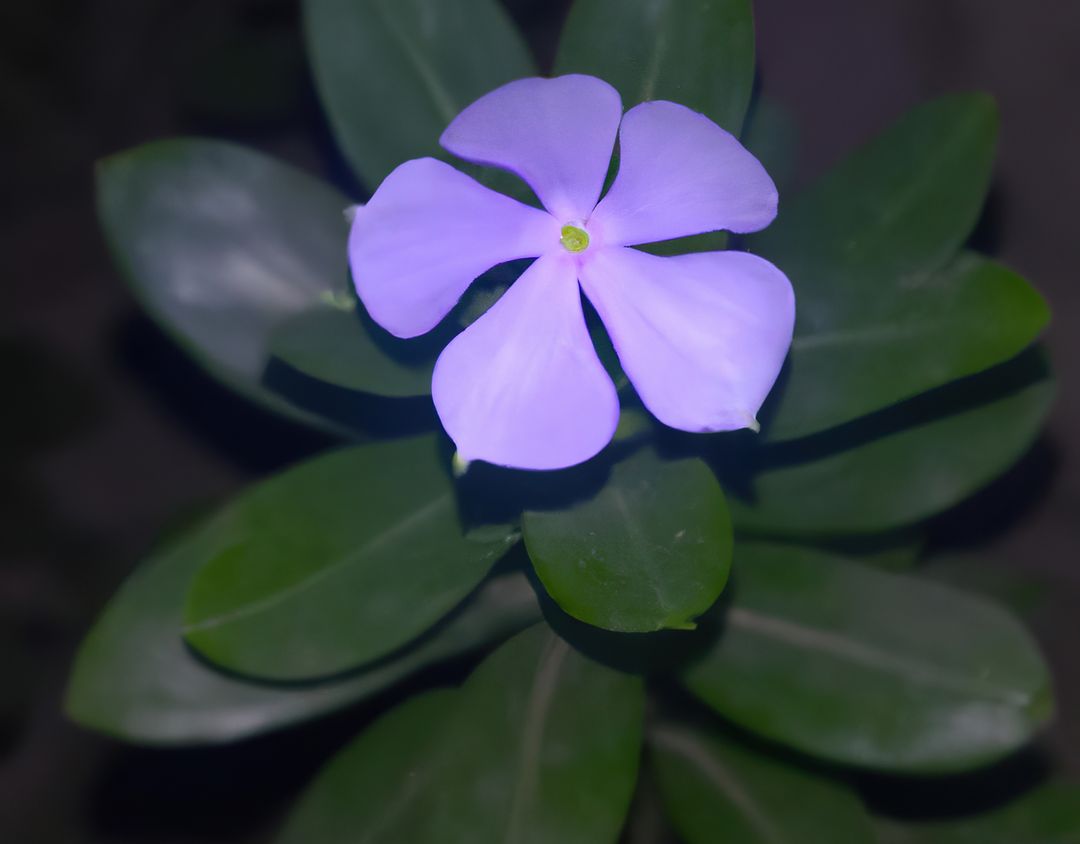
(135, 679)
(393, 73)
(902, 477)
(220, 245)
(358, 795)
(334, 345)
(897, 551)
(880, 317)
(718, 790)
(858, 666)
(771, 134)
(708, 242)
(541, 745)
(1050, 814)
(699, 53)
(1025, 590)
(335, 563)
(651, 550)
(337, 343)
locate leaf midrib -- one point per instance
(686, 745)
(537, 708)
(867, 656)
(442, 100)
(276, 598)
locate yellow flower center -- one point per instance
(574, 239)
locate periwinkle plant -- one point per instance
(597, 595)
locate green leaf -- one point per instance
(1049, 814)
(651, 550)
(965, 318)
(365, 786)
(921, 464)
(337, 346)
(221, 245)
(335, 563)
(857, 666)
(771, 133)
(897, 551)
(542, 746)
(393, 73)
(880, 316)
(1023, 589)
(336, 342)
(134, 678)
(699, 53)
(718, 790)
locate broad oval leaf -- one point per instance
(334, 345)
(699, 53)
(857, 666)
(1048, 814)
(336, 342)
(716, 789)
(220, 245)
(542, 745)
(651, 550)
(336, 562)
(771, 133)
(908, 473)
(880, 317)
(359, 793)
(393, 73)
(135, 679)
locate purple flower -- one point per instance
(702, 337)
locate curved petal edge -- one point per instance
(426, 234)
(522, 386)
(702, 337)
(556, 134)
(680, 174)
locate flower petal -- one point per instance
(522, 385)
(702, 337)
(557, 134)
(681, 174)
(428, 231)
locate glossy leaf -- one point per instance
(771, 133)
(334, 345)
(1049, 814)
(136, 680)
(896, 551)
(854, 665)
(544, 746)
(650, 550)
(221, 245)
(393, 73)
(716, 789)
(909, 471)
(336, 562)
(965, 318)
(541, 745)
(880, 316)
(365, 786)
(1024, 589)
(699, 53)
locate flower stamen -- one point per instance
(574, 239)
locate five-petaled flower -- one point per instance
(701, 337)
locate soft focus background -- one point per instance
(108, 435)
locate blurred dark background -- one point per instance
(108, 434)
